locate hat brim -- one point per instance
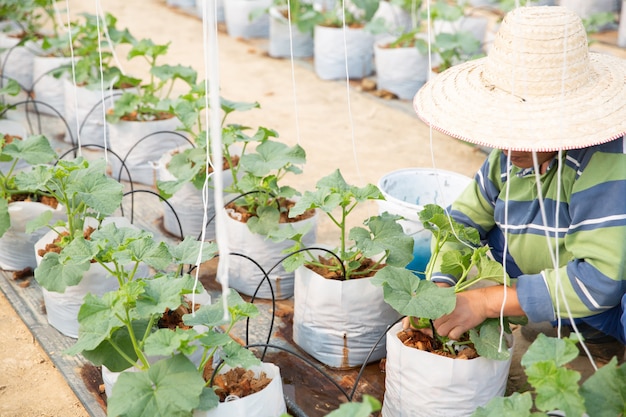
(460, 103)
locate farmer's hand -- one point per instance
(474, 306)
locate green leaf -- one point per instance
(150, 252)
(240, 309)
(34, 180)
(186, 252)
(213, 339)
(266, 220)
(10, 87)
(411, 296)
(487, 341)
(97, 319)
(108, 353)
(213, 315)
(34, 150)
(365, 408)
(163, 293)
(456, 263)
(517, 405)
(92, 186)
(556, 388)
(171, 387)
(604, 392)
(559, 350)
(147, 48)
(165, 342)
(208, 399)
(5, 218)
(235, 355)
(78, 251)
(52, 275)
(270, 156)
(172, 72)
(387, 236)
(210, 315)
(229, 106)
(38, 222)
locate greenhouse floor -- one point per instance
(348, 128)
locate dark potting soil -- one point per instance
(419, 340)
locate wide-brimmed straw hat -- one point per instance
(538, 89)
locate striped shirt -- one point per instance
(585, 215)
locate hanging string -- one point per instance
(104, 115)
(293, 73)
(74, 86)
(108, 38)
(430, 127)
(350, 118)
(212, 93)
(57, 15)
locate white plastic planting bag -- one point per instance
(330, 53)
(188, 205)
(17, 250)
(83, 110)
(47, 88)
(269, 402)
(339, 322)
(13, 128)
(62, 308)
(142, 155)
(17, 61)
(285, 40)
(423, 384)
(238, 21)
(401, 71)
(245, 276)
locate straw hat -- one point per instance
(538, 89)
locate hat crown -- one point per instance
(539, 51)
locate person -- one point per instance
(550, 199)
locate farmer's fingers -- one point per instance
(456, 333)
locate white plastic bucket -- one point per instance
(406, 192)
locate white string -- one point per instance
(212, 76)
(109, 41)
(204, 192)
(430, 128)
(104, 114)
(350, 118)
(74, 86)
(505, 232)
(293, 73)
(57, 15)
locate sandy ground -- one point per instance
(339, 127)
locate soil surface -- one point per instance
(339, 126)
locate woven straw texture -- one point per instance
(539, 89)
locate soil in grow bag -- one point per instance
(420, 340)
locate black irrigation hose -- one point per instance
(35, 102)
(132, 209)
(265, 279)
(360, 374)
(330, 252)
(273, 298)
(308, 362)
(95, 106)
(93, 145)
(293, 408)
(297, 355)
(171, 132)
(132, 204)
